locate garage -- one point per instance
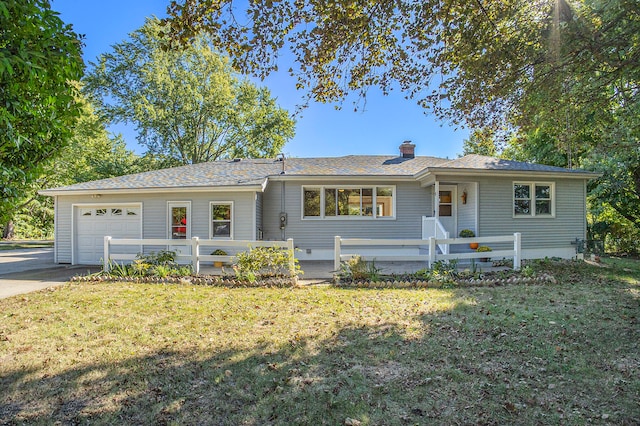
(93, 223)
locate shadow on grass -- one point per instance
(525, 355)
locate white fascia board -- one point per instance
(243, 188)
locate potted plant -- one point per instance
(484, 249)
(218, 252)
(468, 233)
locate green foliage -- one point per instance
(444, 271)
(528, 271)
(219, 252)
(160, 258)
(619, 186)
(120, 270)
(264, 262)
(358, 269)
(188, 105)
(92, 153)
(483, 249)
(466, 233)
(40, 57)
(154, 264)
(162, 271)
(488, 60)
(481, 141)
(34, 220)
(618, 234)
(424, 274)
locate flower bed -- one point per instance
(489, 280)
(211, 280)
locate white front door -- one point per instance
(447, 211)
(179, 224)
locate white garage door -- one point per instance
(94, 223)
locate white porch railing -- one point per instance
(195, 243)
(432, 254)
(431, 227)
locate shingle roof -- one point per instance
(253, 172)
(360, 165)
(481, 162)
(218, 173)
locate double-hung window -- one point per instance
(334, 202)
(221, 220)
(533, 199)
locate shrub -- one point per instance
(358, 269)
(163, 257)
(162, 271)
(263, 262)
(467, 233)
(484, 249)
(444, 272)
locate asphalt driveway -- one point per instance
(26, 270)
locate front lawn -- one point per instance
(565, 353)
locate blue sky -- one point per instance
(321, 129)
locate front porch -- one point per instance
(455, 207)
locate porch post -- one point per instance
(517, 249)
(105, 259)
(436, 202)
(195, 254)
(336, 252)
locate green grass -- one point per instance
(24, 244)
(566, 353)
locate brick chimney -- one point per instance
(407, 150)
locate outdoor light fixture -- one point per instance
(464, 196)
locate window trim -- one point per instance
(322, 189)
(168, 224)
(532, 191)
(213, 237)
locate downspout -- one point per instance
(281, 157)
(282, 209)
(436, 207)
(436, 200)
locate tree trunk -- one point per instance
(7, 234)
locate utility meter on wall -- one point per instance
(283, 220)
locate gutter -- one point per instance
(447, 171)
(103, 191)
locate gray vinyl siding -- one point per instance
(412, 202)
(154, 214)
(496, 213)
(466, 212)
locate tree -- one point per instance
(469, 61)
(40, 57)
(187, 104)
(92, 153)
(481, 141)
